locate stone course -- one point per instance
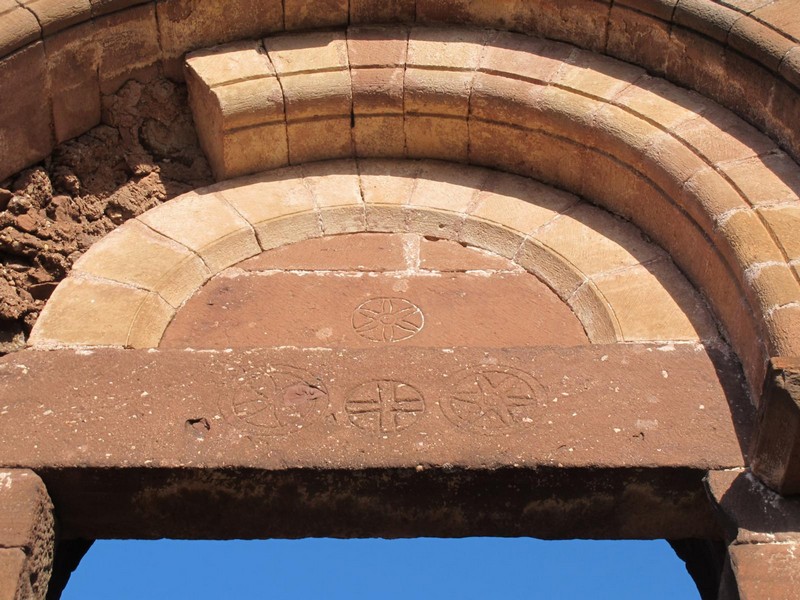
(740, 51)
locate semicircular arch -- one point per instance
(702, 183)
(127, 288)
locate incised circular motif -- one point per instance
(279, 401)
(388, 319)
(384, 406)
(491, 400)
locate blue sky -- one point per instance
(467, 569)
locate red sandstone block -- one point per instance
(377, 92)
(481, 13)
(440, 70)
(14, 581)
(661, 102)
(623, 135)
(709, 18)
(238, 106)
(748, 89)
(18, 27)
(770, 179)
(669, 164)
(741, 499)
(759, 42)
(25, 503)
(73, 59)
(709, 198)
(783, 329)
(749, 240)
(765, 571)
(130, 47)
(224, 239)
(790, 67)
(662, 9)
(781, 118)
(505, 100)
(525, 57)
(773, 286)
(599, 76)
(314, 73)
(639, 38)
(377, 46)
(580, 22)
(27, 528)
(104, 7)
(441, 137)
(541, 155)
(719, 135)
(186, 25)
(382, 11)
(55, 15)
(25, 125)
(746, 6)
(568, 114)
(782, 15)
(784, 222)
(377, 61)
(315, 14)
(699, 63)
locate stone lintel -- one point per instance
(394, 406)
(592, 441)
(776, 447)
(26, 535)
(437, 501)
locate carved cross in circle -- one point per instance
(384, 405)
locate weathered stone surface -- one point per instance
(775, 456)
(26, 535)
(186, 25)
(73, 60)
(100, 312)
(281, 408)
(351, 414)
(19, 27)
(549, 503)
(129, 46)
(208, 225)
(333, 309)
(25, 126)
(55, 15)
(158, 264)
(765, 571)
(368, 252)
(13, 581)
(238, 107)
(750, 512)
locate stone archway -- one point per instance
(597, 385)
(718, 195)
